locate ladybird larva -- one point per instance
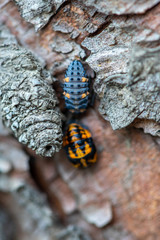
(28, 102)
(79, 146)
(76, 88)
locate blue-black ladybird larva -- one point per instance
(28, 102)
(76, 88)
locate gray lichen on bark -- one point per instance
(69, 49)
(110, 51)
(66, 46)
(149, 126)
(144, 81)
(35, 207)
(138, 96)
(127, 72)
(38, 12)
(121, 6)
(31, 213)
(117, 232)
(72, 233)
(28, 103)
(5, 36)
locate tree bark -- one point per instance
(118, 43)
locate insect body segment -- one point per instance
(79, 146)
(76, 88)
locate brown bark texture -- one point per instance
(42, 196)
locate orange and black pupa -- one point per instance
(79, 146)
(76, 88)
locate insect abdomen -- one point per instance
(76, 88)
(79, 146)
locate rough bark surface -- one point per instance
(28, 103)
(121, 7)
(118, 198)
(38, 12)
(138, 96)
(123, 75)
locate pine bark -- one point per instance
(44, 197)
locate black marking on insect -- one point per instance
(79, 146)
(76, 88)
